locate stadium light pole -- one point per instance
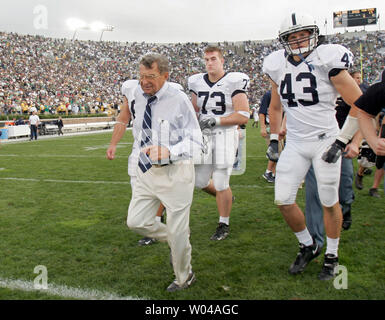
(75, 24)
(101, 27)
(107, 28)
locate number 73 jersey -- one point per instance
(214, 99)
(307, 94)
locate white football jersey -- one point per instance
(215, 99)
(307, 94)
(128, 90)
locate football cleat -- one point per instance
(146, 241)
(269, 177)
(374, 193)
(175, 287)
(328, 269)
(221, 232)
(332, 154)
(272, 151)
(304, 256)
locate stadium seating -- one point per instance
(86, 76)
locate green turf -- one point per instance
(77, 230)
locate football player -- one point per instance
(127, 112)
(220, 99)
(307, 78)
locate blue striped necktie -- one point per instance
(146, 140)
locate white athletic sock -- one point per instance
(332, 246)
(225, 220)
(157, 218)
(268, 171)
(304, 237)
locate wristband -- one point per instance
(244, 113)
(273, 136)
(217, 121)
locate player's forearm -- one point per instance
(235, 118)
(275, 119)
(262, 119)
(368, 129)
(357, 139)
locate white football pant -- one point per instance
(293, 165)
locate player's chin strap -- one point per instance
(310, 66)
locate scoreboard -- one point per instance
(353, 18)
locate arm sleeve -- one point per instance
(265, 102)
(373, 100)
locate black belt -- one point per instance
(160, 165)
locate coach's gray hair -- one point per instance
(162, 62)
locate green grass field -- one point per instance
(63, 205)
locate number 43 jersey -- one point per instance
(214, 99)
(307, 94)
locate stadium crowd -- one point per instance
(61, 75)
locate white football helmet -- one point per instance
(298, 22)
(366, 157)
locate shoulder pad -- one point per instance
(335, 56)
(129, 85)
(238, 81)
(176, 86)
(273, 63)
(193, 80)
(237, 76)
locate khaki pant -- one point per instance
(173, 185)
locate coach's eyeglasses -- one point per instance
(148, 76)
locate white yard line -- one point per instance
(264, 186)
(63, 291)
(64, 181)
(55, 156)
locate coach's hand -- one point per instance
(111, 152)
(208, 123)
(332, 154)
(272, 151)
(156, 153)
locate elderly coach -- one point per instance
(169, 137)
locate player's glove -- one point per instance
(332, 154)
(208, 123)
(272, 151)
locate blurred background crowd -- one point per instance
(72, 76)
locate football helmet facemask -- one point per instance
(294, 23)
